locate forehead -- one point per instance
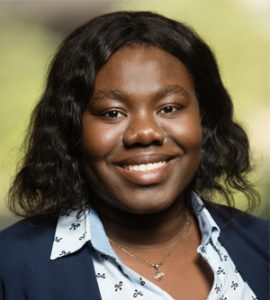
(139, 67)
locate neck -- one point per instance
(144, 230)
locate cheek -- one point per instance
(192, 131)
(99, 139)
(187, 132)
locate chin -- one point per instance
(147, 208)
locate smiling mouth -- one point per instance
(146, 170)
(145, 167)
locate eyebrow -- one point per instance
(172, 89)
(112, 94)
(162, 93)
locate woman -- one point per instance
(132, 137)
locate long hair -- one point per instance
(51, 180)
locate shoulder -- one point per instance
(242, 230)
(229, 218)
(27, 229)
(21, 241)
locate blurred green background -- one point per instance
(238, 32)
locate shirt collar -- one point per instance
(208, 227)
(73, 232)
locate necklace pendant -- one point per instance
(159, 275)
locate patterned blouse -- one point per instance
(116, 281)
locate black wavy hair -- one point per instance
(51, 179)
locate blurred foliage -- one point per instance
(237, 31)
(25, 53)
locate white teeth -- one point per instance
(146, 167)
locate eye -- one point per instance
(169, 109)
(112, 114)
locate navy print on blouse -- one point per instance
(217, 289)
(103, 275)
(57, 239)
(203, 250)
(74, 226)
(142, 282)
(63, 253)
(234, 285)
(220, 271)
(82, 237)
(137, 293)
(118, 287)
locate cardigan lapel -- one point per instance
(246, 238)
(71, 277)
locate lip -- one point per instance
(146, 177)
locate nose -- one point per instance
(143, 131)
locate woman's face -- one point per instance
(141, 130)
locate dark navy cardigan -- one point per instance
(27, 273)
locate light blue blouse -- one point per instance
(116, 281)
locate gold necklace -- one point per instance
(158, 274)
